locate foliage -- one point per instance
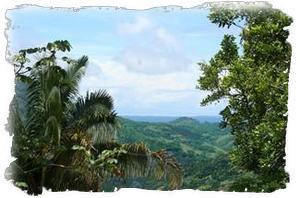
(255, 84)
(201, 148)
(65, 141)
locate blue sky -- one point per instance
(146, 59)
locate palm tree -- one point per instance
(66, 141)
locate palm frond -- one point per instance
(35, 104)
(74, 73)
(53, 129)
(100, 97)
(54, 103)
(165, 165)
(71, 168)
(136, 162)
(139, 161)
(94, 113)
(44, 97)
(103, 132)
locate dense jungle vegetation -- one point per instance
(201, 149)
(62, 140)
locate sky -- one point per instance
(146, 59)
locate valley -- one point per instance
(201, 147)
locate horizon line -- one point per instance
(139, 115)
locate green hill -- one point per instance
(183, 134)
(201, 149)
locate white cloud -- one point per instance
(153, 59)
(152, 50)
(167, 38)
(117, 74)
(140, 24)
(140, 90)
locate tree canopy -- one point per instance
(254, 82)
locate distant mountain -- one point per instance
(163, 119)
(212, 119)
(185, 121)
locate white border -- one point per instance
(7, 90)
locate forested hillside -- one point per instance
(200, 148)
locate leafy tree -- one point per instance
(255, 84)
(65, 141)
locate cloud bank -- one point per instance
(158, 51)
